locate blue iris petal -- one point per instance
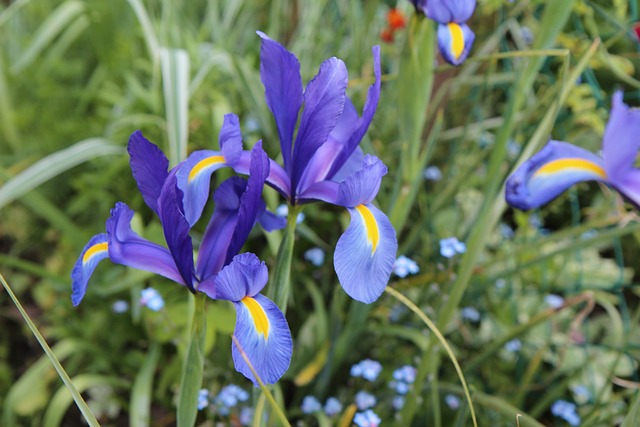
(365, 254)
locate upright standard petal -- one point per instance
(128, 248)
(217, 236)
(251, 203)
(445, 11)
(369, 110)
(280, 75)
(324, 100)
(551, 171)
(365, 254)
(620, 142)
(455, 41)
(362, 187)
(245, 276)
(149, 166)
(94, 252)
(263, 333)
(230, 139)
(176, 229)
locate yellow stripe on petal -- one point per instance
(260, 319)
(370, 225)
(203, 165)
(457, 39)
(571, 164)
(94, 250)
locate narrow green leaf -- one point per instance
(55, 23)
(147, 28)
(61, 400)
(13, 8)
(54, 164)
(140, 407)
(29, 393)
(82, 405)
(633, 417)
(434, 329)
(175, 83)
(7, 125)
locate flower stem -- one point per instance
(281, 283)
(193, 364)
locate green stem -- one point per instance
(193, 365)
(281, 283)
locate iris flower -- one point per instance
(323, 163)
(559, 165)
(219, 272)
(455, 38)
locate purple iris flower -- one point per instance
(559, 165)
(455, 38)
(261, 328)
(323, 163)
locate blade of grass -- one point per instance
(56, 22)
(82, 405)
(61, 400)
(147, 28)
(53, 165)
(175, 82)
(274, 405)
(434, 329)
(140, 407)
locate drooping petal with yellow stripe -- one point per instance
(261, 328)
(455, 41)
(263, 333)
(365, 253)
(95, 251)
(551, 171)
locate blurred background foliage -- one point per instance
(78, 77)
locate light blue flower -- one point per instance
(513, 346)
(367, 419)
(365, 400)
(310, 405)
(367, 369)
(432, 173)
(203, 399)
(581, 393)
(451, 246)
(230, 395)
(315, 256)
(406, 373)
(397, 402)
(566, 411)
(554, 301)
(452, 401)
(151, 299)
(246, 416)
(283, 211)
(506, 231)
(404, 266)
(120, 306)
(332, 407)
(470, 313)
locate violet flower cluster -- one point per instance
(323, 163)
(455, 38)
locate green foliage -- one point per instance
(77, 77)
